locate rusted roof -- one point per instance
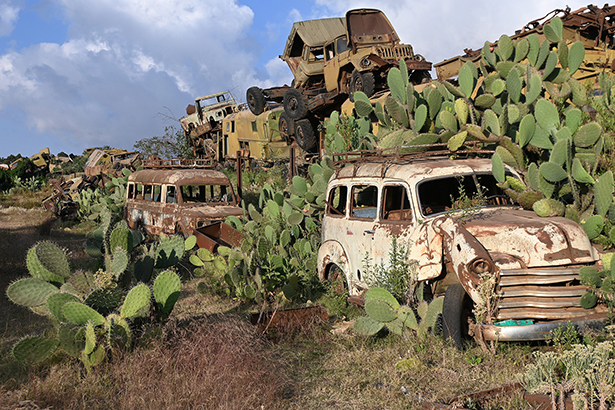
(180, 177)
(317, 32)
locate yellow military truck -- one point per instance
(591, 25)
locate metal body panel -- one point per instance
(535, 260)
(165, 210)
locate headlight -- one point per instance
(365, 63)
(479, 266)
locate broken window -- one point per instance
(395, 203)
(147, 192)
(156, 195)
(131, 191)
(316, 54)
(463, 191)
(364, 201)
(342, 44)
(338, 197)
(204, 193)
(139, 193)
(171, 196)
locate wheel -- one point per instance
(456, 312)
(256, 100)
(295, 105)
(362, 82)
(286, 126)
(304, 135)
(337, 279)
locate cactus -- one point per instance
(55, 303)
(118, 332)
(169, 251)
(79, 314)
(105, 300)
(70, 340)
(34, 349)
(47, 261)
(121, 238)
(166, 291)
(137, 302)
(30, 292)
(589, 300)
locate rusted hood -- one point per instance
(213, 212)
(530, 240)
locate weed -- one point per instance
(564, 337)
(398, 276)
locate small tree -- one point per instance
(173, 144)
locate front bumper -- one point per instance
(538, 331)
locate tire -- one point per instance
(256, 100)
(337, 280)
(304, 135)
(295, 104)
(362, 82)
(286, 126)
(456, 311)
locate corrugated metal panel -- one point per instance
(318, 32)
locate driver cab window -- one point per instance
(395, 203)
(364, 201)
(338, 197)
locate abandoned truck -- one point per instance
(591, 25)
(464, 234)
(330, 59)
(203, 121)
(176, 199)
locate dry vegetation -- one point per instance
(210, 357)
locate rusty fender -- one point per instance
(331, 252)
(467, 255)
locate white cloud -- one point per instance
(123, 63)
(9, 13)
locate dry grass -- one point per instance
(212, 358)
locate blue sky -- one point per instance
(77, 74)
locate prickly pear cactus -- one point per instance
(34, 349)
(166, 291)
(137, 302)
(47, 261)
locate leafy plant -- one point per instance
(383, 310)
(82, 306)
(277, 258)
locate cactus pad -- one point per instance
(69, 341)
(47, 261)
(590, 277)
(166, 291)
(118, 332)
(34, 349)
(367, 326)
(121, 238)
(105, 300)
(137, 302)
(80, 314)
(380, 310)
(383, 295)
(169, 251)
(82, 281)
(56, 301)
(90, 338)
(407, 317)
(30, 292)
(589, 300)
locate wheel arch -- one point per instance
(332, 253)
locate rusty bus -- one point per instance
(178, 199)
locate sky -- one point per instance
(76, 74)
